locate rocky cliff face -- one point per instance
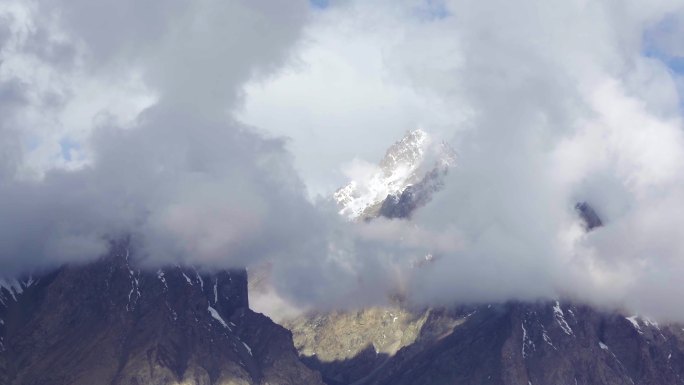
(348, 346)
(109, 322)
(541, 343)
(403, 182)
(511, 343)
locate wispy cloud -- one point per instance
(139, 119)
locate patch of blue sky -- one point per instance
(655, 43)
(320, 4)
(68, 147)
(431, 10)
(32, 143)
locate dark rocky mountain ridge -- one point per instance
(109, 323)
(545, 342)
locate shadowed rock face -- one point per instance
(540, 343)
(346, 346)
(511, 343)
(588, 215)
(414, 196)
(109, 323)
(396, 169)
(402, 183)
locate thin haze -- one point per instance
(140, 119)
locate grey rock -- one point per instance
(589, 216)
(111, 323)
(522, 343)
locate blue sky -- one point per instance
(660, 43)
(322, 4)
(655, 44)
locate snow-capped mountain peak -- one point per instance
(396, 170)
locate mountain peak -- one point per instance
(112, 322)
(396, 170)
(401, 182)
(408, 151)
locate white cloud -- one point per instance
(342, 98)
(547, 104)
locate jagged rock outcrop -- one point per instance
(413, 196)
(511, 343)
(402, 183)
(110, 323)
(397, 169)
(403, 203)
(589, 216)
(346, 346)
(540, 343)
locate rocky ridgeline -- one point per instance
(548, 342)
(110, 323)
(399, 168)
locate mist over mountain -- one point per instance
(183, 325)
(213, 134)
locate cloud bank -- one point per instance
(140, 119)
(547, 104)
(158, 158)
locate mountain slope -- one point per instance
(510, 343)
(110, 323)
(400, 167)
(540, 343)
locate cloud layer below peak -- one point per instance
(140, 120)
